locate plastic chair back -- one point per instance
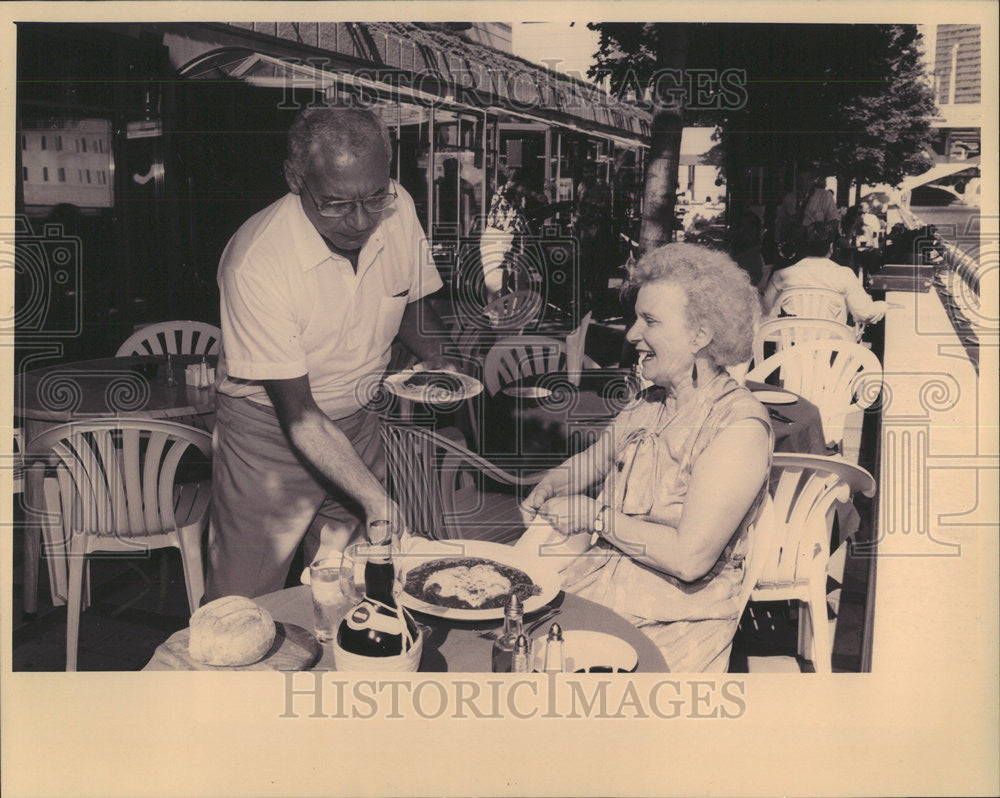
(791, 330)
(513, 359)
(812, 303)
(174, 338)
(836, 376)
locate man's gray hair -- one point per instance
(354, 130)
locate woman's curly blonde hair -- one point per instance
(718, 292)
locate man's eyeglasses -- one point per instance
(339, 208)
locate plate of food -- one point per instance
(776, 397)
(526, 391)
(433, 386)
(469, 580)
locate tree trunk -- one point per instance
(665, 139)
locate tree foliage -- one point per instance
(852, 100)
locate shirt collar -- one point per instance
(313, 249)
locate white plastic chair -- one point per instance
(836, 376)
(811, 303)
(115, 489)
(791, 330)
(434, 481)
(805, 489)
(174, 338)
(521, 356)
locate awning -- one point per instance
(937, 172)
(406, 62)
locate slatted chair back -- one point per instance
(173, 338)
(116, 489)
(427, 474)
(804, 490)
(513, 359)
(836, 376)
(119, 475)
(812, 303)
(791, 330)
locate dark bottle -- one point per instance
(513, 627)
(376, 627)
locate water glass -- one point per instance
(328, 604)
(352, 572)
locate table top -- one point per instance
(457, 647)
(112, 387)
(573, 416)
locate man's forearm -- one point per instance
(324, 445)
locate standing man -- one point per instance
(810, 203)
(314, 288)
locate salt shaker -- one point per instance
(554, 650)
(521, 655)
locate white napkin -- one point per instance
(550, 546)
(197, 377)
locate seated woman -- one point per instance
(817, 270)
(684, 467)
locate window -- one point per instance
(45, 174)
(58, 142)
(79, 175)
(43, 142)
(62, 175)
(24, 173)
(24, 142)
(100, 145)
(84, 143)
(88, 176)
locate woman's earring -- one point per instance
(694, 372)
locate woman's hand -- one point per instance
(571, 514)
(554, 483)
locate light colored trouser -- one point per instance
(265, 501)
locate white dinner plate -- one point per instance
(583, 650)
(423, 550)
(776, 397)
(430, 394)
(527, 392)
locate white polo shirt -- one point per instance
(290, 306)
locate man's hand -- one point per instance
(571, 514)
(440, 363)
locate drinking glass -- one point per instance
(352, 572)
(328, 604)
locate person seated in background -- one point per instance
(683, 468)
(817, 270)
(744, 244)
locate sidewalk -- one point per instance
(935, 599)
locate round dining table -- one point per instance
(139, 386)
(456, 646)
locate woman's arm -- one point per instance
(724, 483)
(574, 476)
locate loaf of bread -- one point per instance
(229, 631)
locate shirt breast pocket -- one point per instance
(390, 314)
